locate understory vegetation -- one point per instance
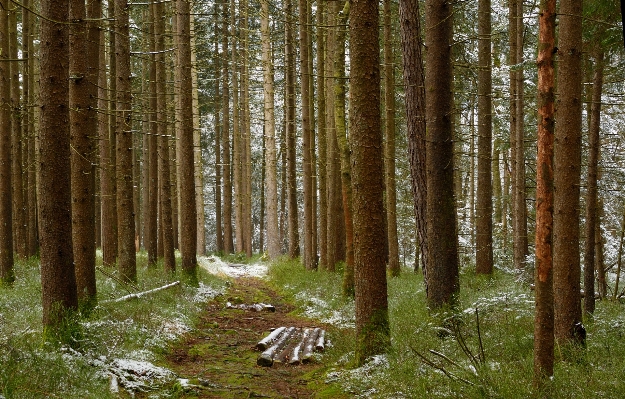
(443, 355)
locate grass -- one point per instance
(138, 329)
(505, 309)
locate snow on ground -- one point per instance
(216, 266)
(353, 380)
(317, 308)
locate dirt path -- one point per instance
(219, 358)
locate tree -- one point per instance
(127, 261)
(83, 65)
(389, 101)
(305, 70)
(372, 325)
(188, 209)
(226, 161)
(442, 283)
(484, 225)
(567, 171)
(414, 87)
(322, 160)
(543, 277)
(164, 165)
(592, 219)
(289, 66)
(6, 228)
(152, 188)
(273, 234)
(58, 280)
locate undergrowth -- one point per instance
(458, 362)
(113, 334)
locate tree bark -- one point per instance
(544, 314)
(567, 168)
(372, 325)
(271, 186)
(188, 209)
(226, 161)
(219, 239)
(322, 160)
(592, 219)
(520, 209)
(83, 64)
(294, 247)
(389, 101)
(6, 228)
(484, 225)
(58, 279)
(442, 284)
(414, 87)
(29, 123)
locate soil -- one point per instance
(219, 356)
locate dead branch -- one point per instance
(140, 294)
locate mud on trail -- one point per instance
(219, 357)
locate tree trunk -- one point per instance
(389, 101)
(226, 161)
(6, 227)
(163, 158)
(29, 129)
(513, 9)
(520, 209)
(372, 325)
(294, 247)
(442, 284)
(345, 152)
(543, 318)
(567, 168)
(219, 239)
(484, 225)
(58, 280)
(83, 66)
(271, 204)
(127, 260)
(592, 219)
(322, 160)
(152, 189)
(309, 251)
(414, 87)
(188, 209)
(246, 137)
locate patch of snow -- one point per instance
(205, 293)
(317, 308)
(354, 380)
(216, 266)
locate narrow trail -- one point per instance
(219, 359)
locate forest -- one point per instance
(436, 185)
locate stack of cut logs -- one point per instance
(290, 345)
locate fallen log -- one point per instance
(309, 347)
(285, 355)
(321, 341)
(265, 342)
(296, 356)
(256, 307)
(140, 294)
(266, 358)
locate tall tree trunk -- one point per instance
(309, 251)
(188, 209)
(543, 318)
(6, 227)
(246, 136)
(236, 134)
(163, 157)
(294, 247)
(271, 204)
(592, 219)
(520, 209)
(345, 152)
(513, 68)
(29, 128)
(372, 325)
(219, 239)
(322, 160)
(127, 260)
(389, 101)
(19, 236)
(414, 87)
(226, 161)
(83, 66)
(484, 226)
(567, 168)
(107, 155)
(58, 280)
(442, 284)
(152, 189)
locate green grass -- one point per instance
(505, 309)
(140, 329)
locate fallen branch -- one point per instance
(310, 345)
(298, 349)
(257, 307)
(140, 294)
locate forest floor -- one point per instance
(218, 358)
